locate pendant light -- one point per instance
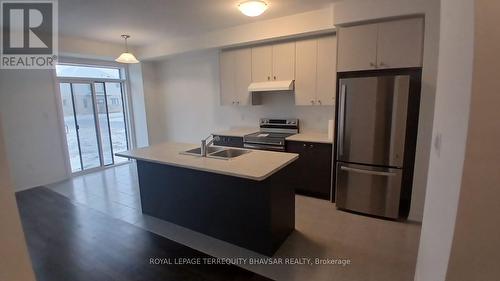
(126, 57)
(253, 8)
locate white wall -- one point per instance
(450, 123)
(155, 112)
(32, 133)
(138, 114)
(188, 95)
(15, 262)
(353, 11)
(475, 249)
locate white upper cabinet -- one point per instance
(394, 44)
(357, 47)
(235, 76)
(243, 76)
(310, 62)
(262, 63)
(315, 77)
(273, 62)
(226, 66)
(326, 69)
(400, 43)
(284, 61)
(305, 75)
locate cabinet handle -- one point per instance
(373, 65)
(268, 77)
(233, 101)
(304, 145)
(312, 101)
(311, 146)
(274, 77)
(382, 64)
(319, 101)
(238, 102)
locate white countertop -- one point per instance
(311, 137)
(256, 165)
(237, 132)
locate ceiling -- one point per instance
(149, 21)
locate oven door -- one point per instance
(368, 189)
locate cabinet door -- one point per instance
(242, 76)
(321, 169)
(311, 173)
(300, 174)
(284, 61)
(357, 47)
(326, 70)
(400, 43)
(262, 63)
(226, 61)
(305, 74)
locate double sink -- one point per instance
(217, 152)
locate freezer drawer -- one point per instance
(372, 120)
(367, 189)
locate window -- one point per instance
(93, 102)
(78, 71)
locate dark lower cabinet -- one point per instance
(229, 141)
(311, 173)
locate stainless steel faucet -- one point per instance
(205, 145)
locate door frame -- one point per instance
(126, 100)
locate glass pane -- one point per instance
(114, 95)
(63, 70)
(70, 127)
(102, 114)
(86, 125)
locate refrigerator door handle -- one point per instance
(341, 120)
(369, 172)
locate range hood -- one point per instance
(269, 86)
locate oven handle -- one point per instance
(261, 142)
(263, 146)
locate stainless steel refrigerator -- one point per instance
(371, 139)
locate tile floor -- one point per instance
(379, 250)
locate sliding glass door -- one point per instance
(95, 123)
(111, 111)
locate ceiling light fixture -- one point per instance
(126, 57)
(253, 8)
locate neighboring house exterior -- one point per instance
(83, 100)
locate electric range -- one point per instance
(272, 134)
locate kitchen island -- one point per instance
(245, 200)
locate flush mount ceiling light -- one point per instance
(126, 57)
(253, 8)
